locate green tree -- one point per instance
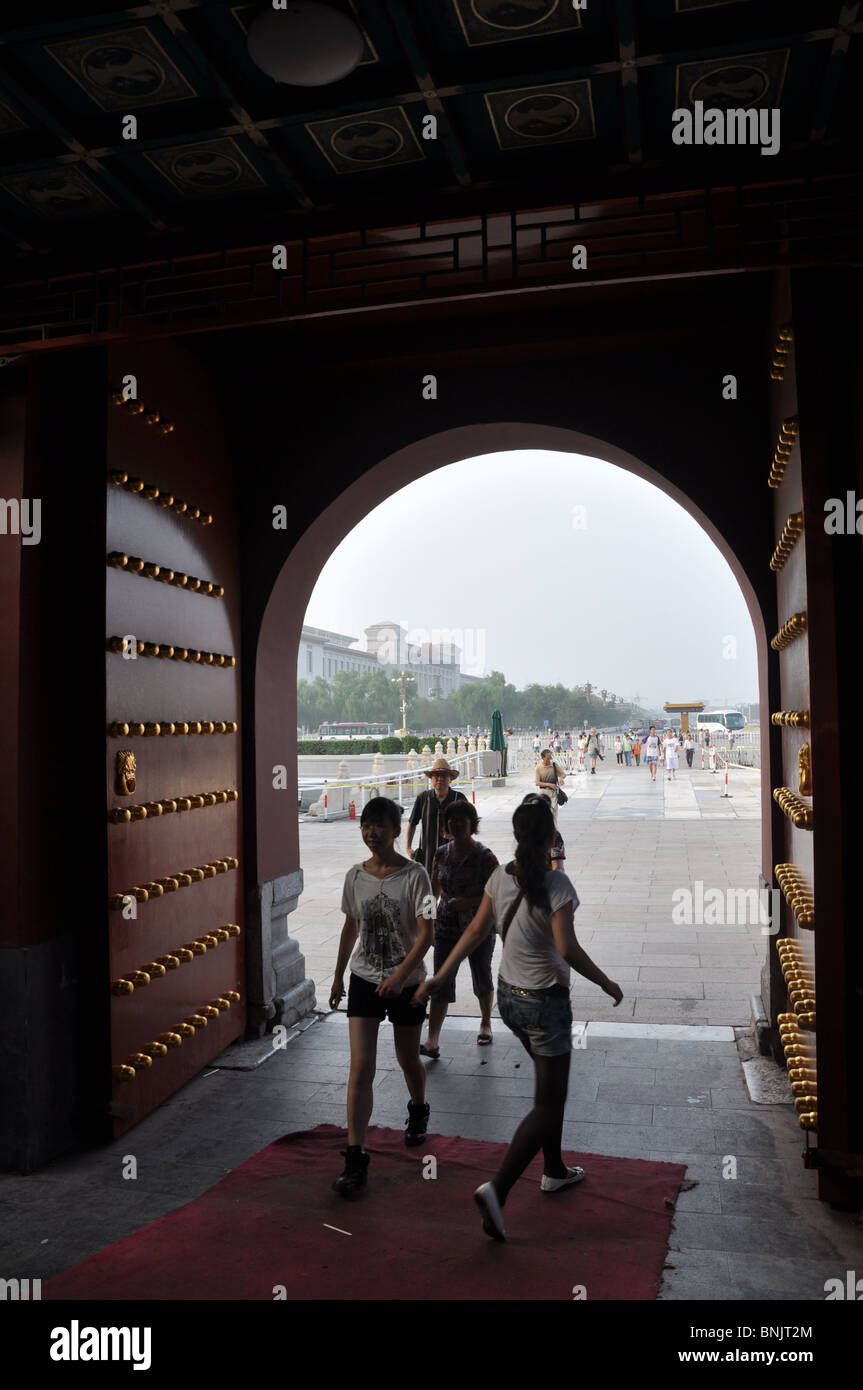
(314, 702)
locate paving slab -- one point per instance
(625, 871)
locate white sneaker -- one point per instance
(555, 1184)
(492, 1216)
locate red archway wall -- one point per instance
(279, 635)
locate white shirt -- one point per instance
(530, 958)
(650, 746)
(386, 911)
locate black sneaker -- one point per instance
(417, 1124)
(355, 1173)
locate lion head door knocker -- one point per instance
(126, 769)
(804, 762)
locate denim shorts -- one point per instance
(543, 1025)
(479, 961)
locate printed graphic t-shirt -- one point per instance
(460, 878)
(650, 747)
(386, 911)
(530, 958)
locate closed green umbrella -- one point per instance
(497, 740)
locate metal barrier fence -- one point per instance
(406, 780)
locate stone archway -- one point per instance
(277, 990)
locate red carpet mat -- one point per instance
(275, 1222)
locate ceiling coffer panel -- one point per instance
(122, 69)
(499, 21)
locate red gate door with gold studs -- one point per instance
(810, 864)
(794, 867)
(173, 738)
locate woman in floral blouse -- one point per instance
(461, 869)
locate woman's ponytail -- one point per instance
(533, 827)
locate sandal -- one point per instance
(433, 1052)
(484, 1039)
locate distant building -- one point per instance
(322, 653)
(435, 664)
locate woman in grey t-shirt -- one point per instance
(533, 907)
(389, 925)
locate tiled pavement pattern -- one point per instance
(629, 844)
(759, 1235)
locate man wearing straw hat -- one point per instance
(428, 809)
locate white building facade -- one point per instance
(435, 664)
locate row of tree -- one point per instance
(371, 697)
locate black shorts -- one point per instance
(479, 961)
(365, 1002)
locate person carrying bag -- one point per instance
(549, 780)
(534, 906)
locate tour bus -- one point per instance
(354, 731)
(721, 721)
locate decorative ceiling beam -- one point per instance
(56, 29)
(629, 81)
(425, 85)
(833, 71)
(78, 153)
(202, 63)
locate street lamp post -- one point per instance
(402, 682)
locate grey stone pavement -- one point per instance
(630, 844)
(654, 1084)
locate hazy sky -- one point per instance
(549, 567)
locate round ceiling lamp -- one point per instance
(306, 44)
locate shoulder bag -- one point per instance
(512, 910)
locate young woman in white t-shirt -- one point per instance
(651, 748)
(389, 915)
(533, 908)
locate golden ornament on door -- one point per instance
(126, 769)
(804, 761)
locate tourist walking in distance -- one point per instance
(689, 749)
(389, 917)
(671, 759)
(651, 752)
(636, 750)
(549, 778)
(533, 906)
(627, 749)
(557, 853)
(618, 748)
(428, 810)
(593, 751)
(462, 867)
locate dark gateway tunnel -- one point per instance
(281, 269)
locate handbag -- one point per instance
(562, 798)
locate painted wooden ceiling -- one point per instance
(532, 98)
